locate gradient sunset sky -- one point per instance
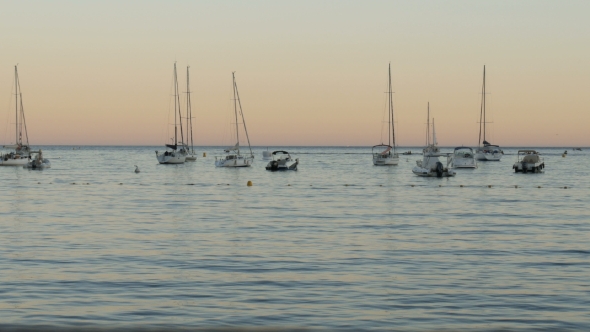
(308, 72)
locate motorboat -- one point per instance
(529, 161)
(282, 161)
(430, 165)
(463, 157)
(234, 158)
(485, 151)
(21, 148)
(38, 162)
(385, 154)
(175, 153)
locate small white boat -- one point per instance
(38, 162)
(233, 157)
(386, 154)
(529, 161)
(22, 151)
(174, 156)
(430, 165)
(385, 157)
(463, 157)
(282, 161)
(487, 151)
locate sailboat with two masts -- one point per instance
(174, 155)
(22, 150)
(386, 154)
(233, 157)
(485, 151)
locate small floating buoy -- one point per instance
(489, 186)
(515, 186)
(121, 183)
(412, 186)
(346, 185)
(563, 155)
(564, 187)
(38, 182)
(380, 185)
(440, 185)
(538, 186)
(73, 182)
(249, 183)
(461, 185)
(204, 154)
(288, 185)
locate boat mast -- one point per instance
(392, 125)
(482, 113)
(233, 76)
(243, 119)
(177, 107)
(428, 126)
(16, 141)
(189, 112)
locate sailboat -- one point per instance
(430, 165)
(384, 155)
(234, 158)
(174, 155)
(485, 150)
(22, 151)
(189, 151)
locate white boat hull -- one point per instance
(464, 163)
(239, 161)
(190, 157)
(170, 158)
(523, 167)
(487, 156)
(14, 162)
(391, 160)
(424, 172)
(35, 165)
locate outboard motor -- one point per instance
(274, 165)
(439, 169)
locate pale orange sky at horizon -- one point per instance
(309, 73)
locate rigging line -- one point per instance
(177, 106)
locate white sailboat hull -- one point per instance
(190, 157)
(387, 160)
(233, 161)
(488, 156)
(14, 162)
(170, 158)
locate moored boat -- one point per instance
(282, 161)
(529, 161)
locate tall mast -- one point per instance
(16, 104)
(175, 93)
(177, 107)
(243, 119)
(189, 112)
(428, 126)
(236, 109)
(482, 112)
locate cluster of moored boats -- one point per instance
(181, 150)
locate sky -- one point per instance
(308, 72)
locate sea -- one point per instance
(338, 245)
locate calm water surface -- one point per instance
(339, 244)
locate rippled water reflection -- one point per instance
(339, 244)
